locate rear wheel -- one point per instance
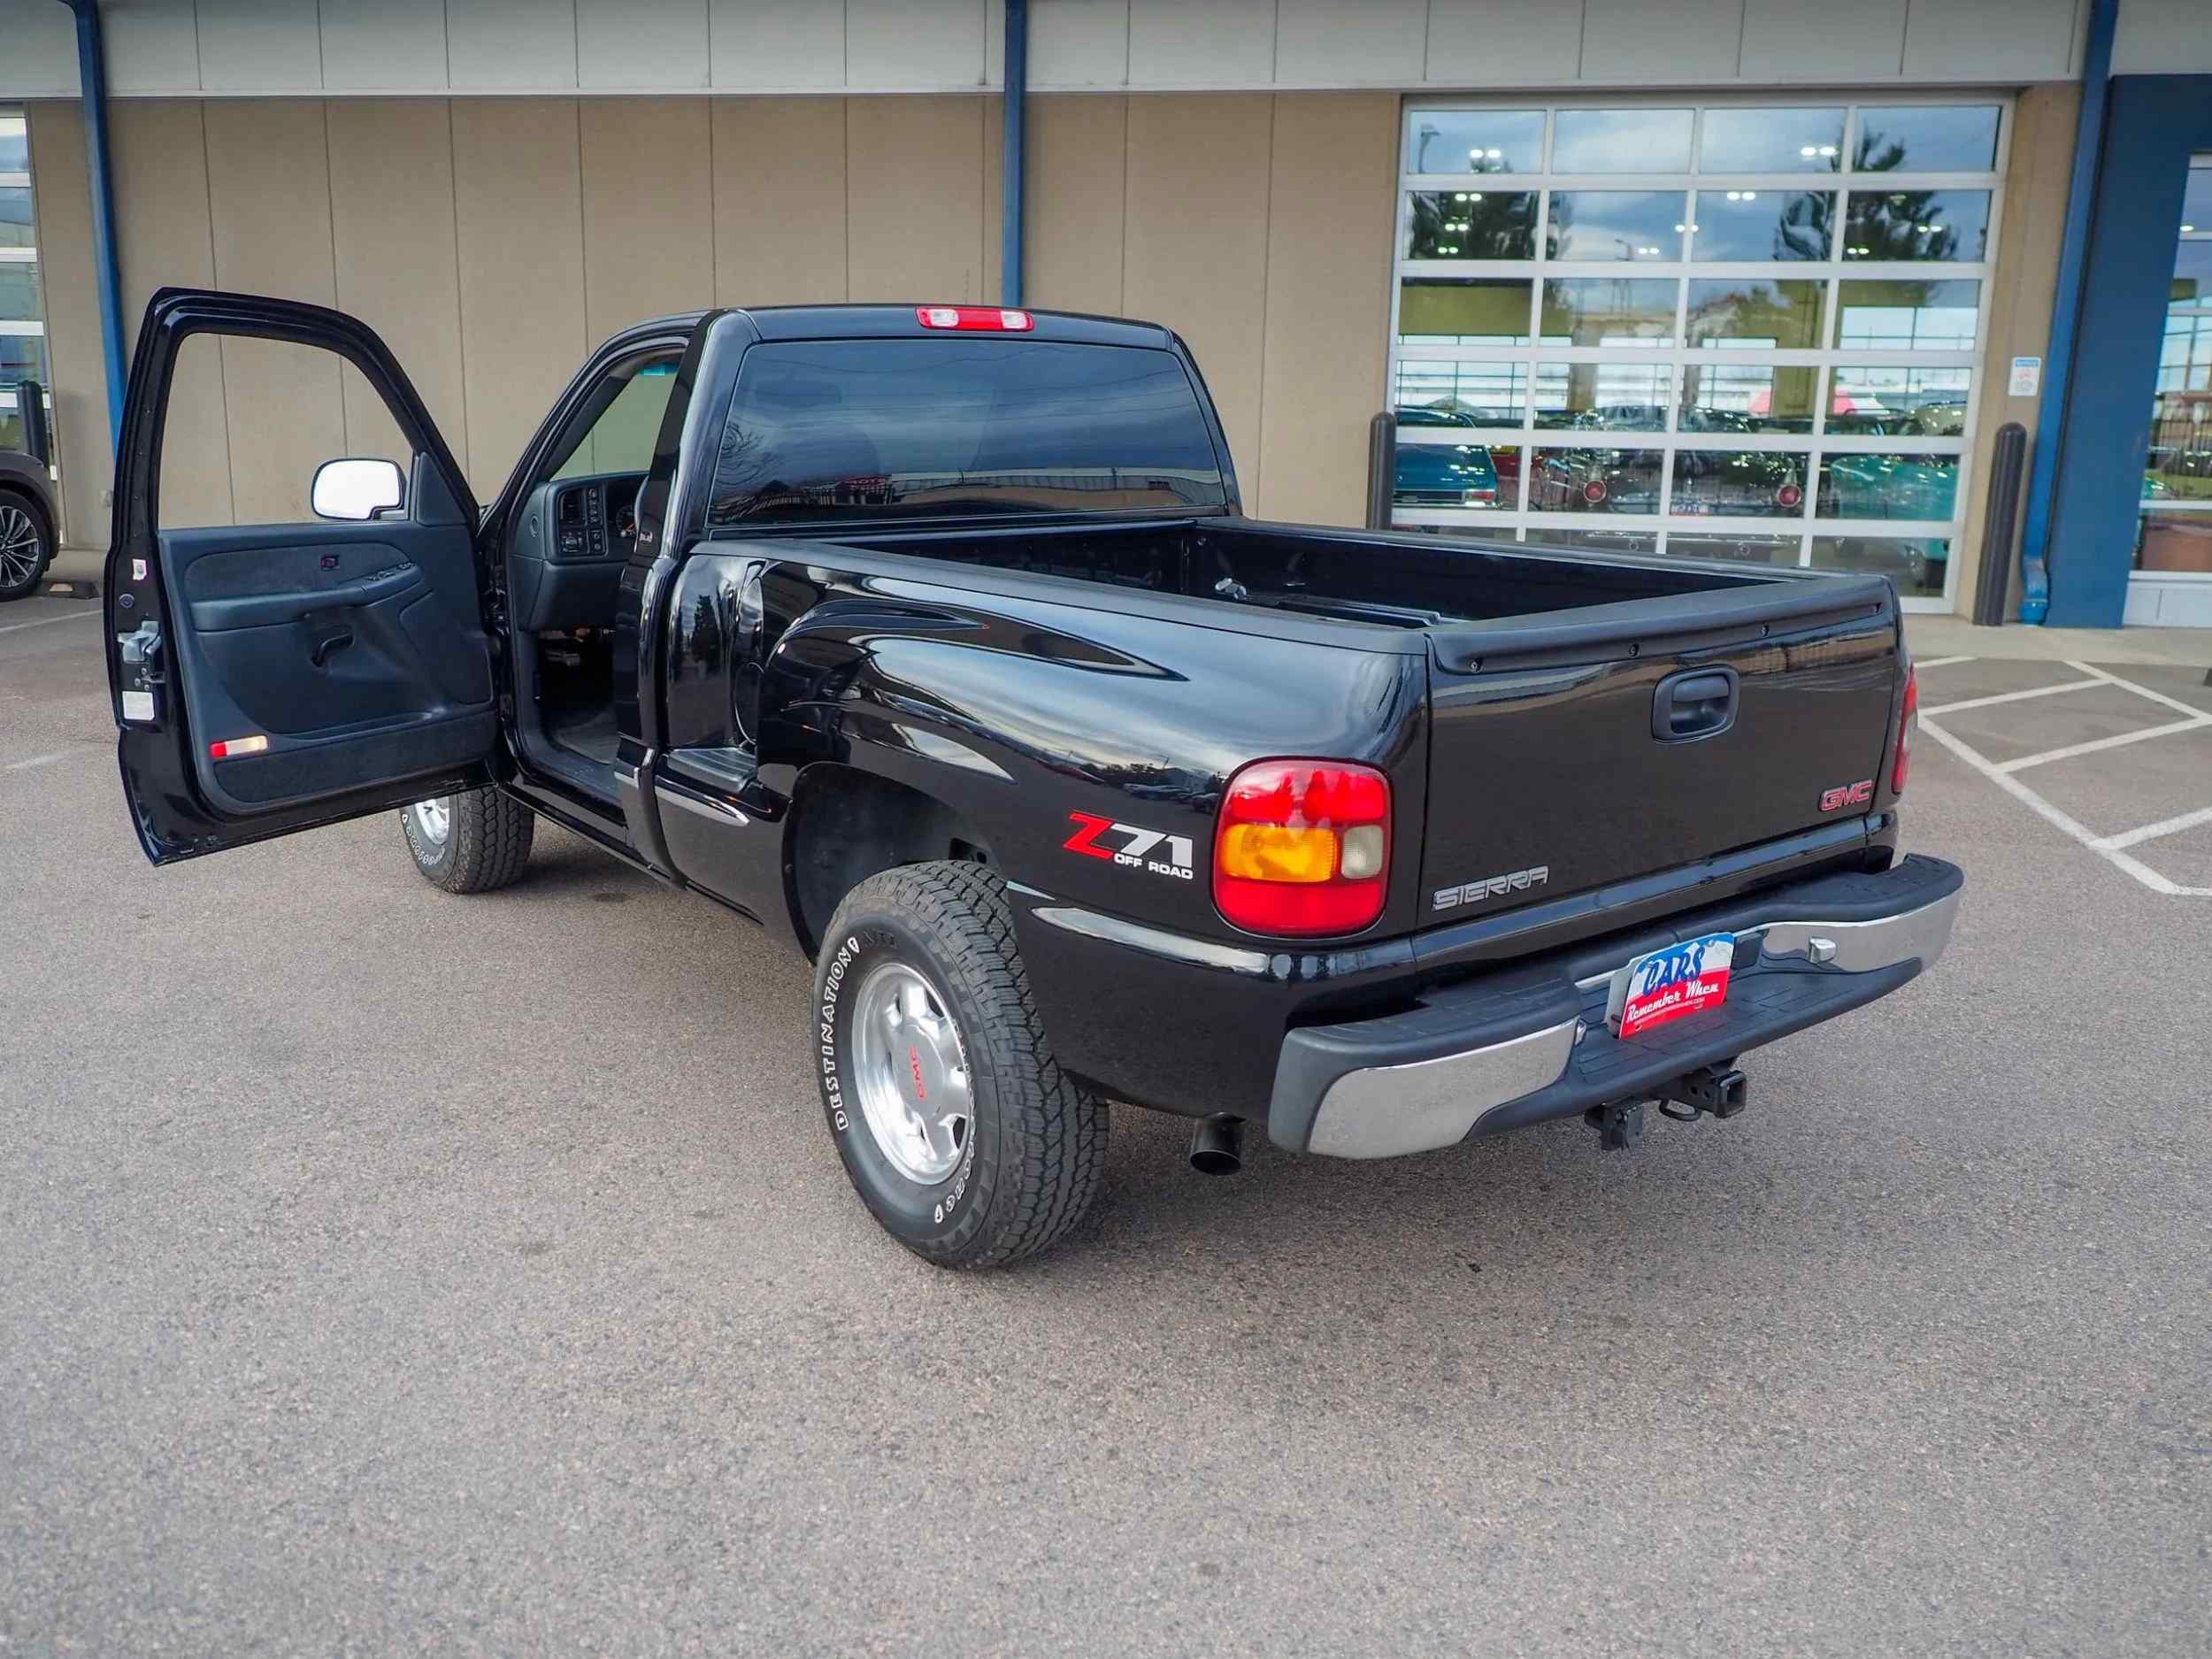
(959, 1130)
(470, 842)
(27, 544)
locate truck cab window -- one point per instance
(614, 431)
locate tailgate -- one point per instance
(1569, 753)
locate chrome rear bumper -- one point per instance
(1531, 1044)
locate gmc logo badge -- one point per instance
(1846, 795)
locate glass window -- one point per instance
(1880, 316)
(1593, 540)
(15, 145)
(1603, 396)
(15, 216)
(830, 429)
(2196, 199)
(1746, 397)
(1761, 225)
(1771, 140)
(1457, 475)
(1888, 487)
(1951, 225)
(1464, 310)
(1926, 138)
(1472, 225)
(1622, 141)
(1748, 313)
(1750, 550)
(22, 357)
(19, 291)
(1895, 401)
(1596, 481)
(1740, 483)
(11, 429)
(1457, 393)
(1614, 225)
(2174, 540)
(1916, 566)
(1474, 141)
(1609, 311)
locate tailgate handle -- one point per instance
(1697, 703)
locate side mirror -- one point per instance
(355, 488)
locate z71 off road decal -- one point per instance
(1131, 846)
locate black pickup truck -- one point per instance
(933, 638)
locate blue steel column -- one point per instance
(92, 82)
(1009, 278)
(2050, 412)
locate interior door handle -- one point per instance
(1697, 703)
(326, 643)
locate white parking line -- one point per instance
(2140, 691)
(2057, 819)
(2164, 826)
(78, 616)
(2019, 697)
(2091, 747)
(1942, 662)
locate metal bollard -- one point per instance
(2008, 469)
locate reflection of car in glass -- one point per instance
(1595, 481)
(1445, 475)
(1888, 486)
(1740, 483)
(1918, 564)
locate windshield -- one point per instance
(919, 428)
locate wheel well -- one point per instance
(847, 826)
(21, 491)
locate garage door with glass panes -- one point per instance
(1746, 331)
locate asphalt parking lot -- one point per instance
(381, 1271)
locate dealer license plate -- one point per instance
(1670, 983)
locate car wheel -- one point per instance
(470, 842)
(959, 1130)
(27, 544)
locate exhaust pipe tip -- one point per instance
(1217, 1145)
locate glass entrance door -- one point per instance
(2171, 584)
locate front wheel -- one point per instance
(470, 842)
(959, 1130)
(27, 544)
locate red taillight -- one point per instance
(1908, 719)
(1302, 846)
(990, 319)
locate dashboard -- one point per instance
(573, 537)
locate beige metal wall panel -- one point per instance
(1326, 42)
(648, 210)
(528, 45)
(384, 45)
(896, 45)
(1991, 40)
(76, 372)
(776, 45)
(914, 198)
(991, 222)
(1330, 217)
(1502, 43)
(779, 200)
(1174, 43)
(631, 45)
(152, 46)
(397, 260)
(1681, 43)
(1194, 243)
(519, 206)
(269, 203)
(1819, 40)
(258, 46)
(164, 239)
(38, 51)
(2022, 293)
(1078, 161)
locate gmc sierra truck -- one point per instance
(932, 639)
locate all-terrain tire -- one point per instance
(1035, 1154)
(27, 544)
(484, 846)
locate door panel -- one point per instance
(272, 677)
